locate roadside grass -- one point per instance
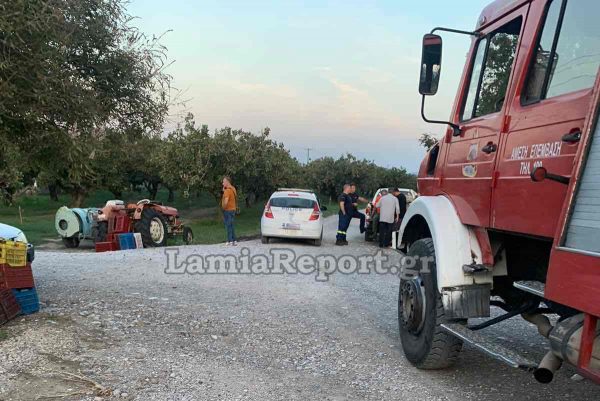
(198, 211)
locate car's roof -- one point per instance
(295, 194)
(8, 232)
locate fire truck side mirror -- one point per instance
(431, 64)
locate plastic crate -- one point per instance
(28, 300)
(16, 277)
(9, 307)
(106, 246)
(126, 241)
(13, 253)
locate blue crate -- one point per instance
(126, 241)
(28, 300)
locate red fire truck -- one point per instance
(509, 212)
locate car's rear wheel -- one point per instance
(264, 239)
(420, 313)
(319, 240)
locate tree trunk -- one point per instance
(153, 191)
(78, 197)
(250, 199)
(171, 197)
(53, 192)
(117, 193)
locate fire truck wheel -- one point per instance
(101, 231)
(420, 313)
(153, 228)
(71, 242)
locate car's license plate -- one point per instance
(290, 226)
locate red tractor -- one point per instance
(154, 221)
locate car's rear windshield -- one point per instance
(292, 202)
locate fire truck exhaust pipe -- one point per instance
(548, 366)
(565, 344)
(565, 341)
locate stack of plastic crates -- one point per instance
(16, 275)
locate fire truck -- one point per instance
(509, 212)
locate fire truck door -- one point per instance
(481, 115)
(547, 114)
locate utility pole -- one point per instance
(308, 155)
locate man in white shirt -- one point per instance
(389, 210)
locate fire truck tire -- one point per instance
(153, 228)
(420, 314)
(101, 231)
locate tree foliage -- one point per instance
(71, 74)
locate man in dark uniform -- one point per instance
(345, 202)
(355, 213)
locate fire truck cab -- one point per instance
(509, 212)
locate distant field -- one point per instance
(200, 213)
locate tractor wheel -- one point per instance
(101, 231)
(71, 242)
(153, 228)
(188, 236)
(420, 314)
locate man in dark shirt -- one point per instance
(345, 202)
(355, 212)
(402, 201)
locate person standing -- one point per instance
(355, 213)
(402, 203)
(389, 210)
(345, 201)
(229, 206)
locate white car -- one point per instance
(10, 233)
(292, 213)
(410, 194)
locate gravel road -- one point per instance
(115, 326)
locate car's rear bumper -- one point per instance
(308, 230)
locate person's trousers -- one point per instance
(343, 224)
(228, 217)
(361, 216)
(385, 233)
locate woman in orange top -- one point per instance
(229, 205)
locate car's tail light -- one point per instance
(268, 212)
(316, 213)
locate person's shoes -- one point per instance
(234, 243)
(345, 242)
(362, 230)
(340, 242)
(228, 243)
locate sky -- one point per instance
(333, 76)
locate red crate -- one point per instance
(106, 246)
(9, 307)
(16, 277)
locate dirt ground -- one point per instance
(115, 326)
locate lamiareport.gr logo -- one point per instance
(287, 261)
